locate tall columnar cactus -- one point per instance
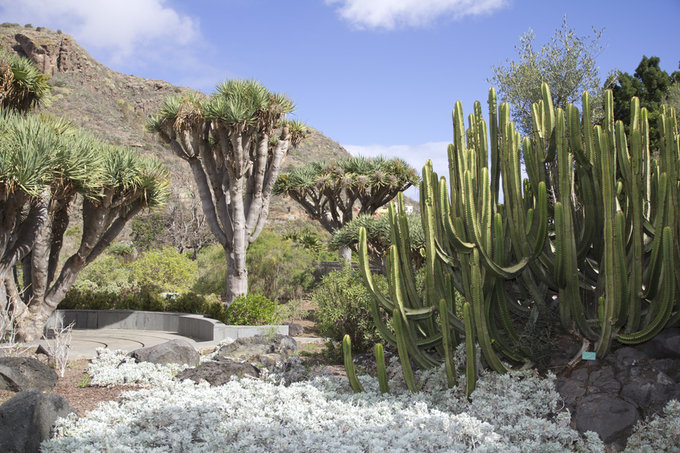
(591, 229)
(349, 365)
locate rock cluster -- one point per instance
(245, 357)
(609, 396)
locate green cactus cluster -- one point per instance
(590, 229)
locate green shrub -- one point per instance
(251, 310)
(212, 269)
(191, 302)
(292, 310)
(277, 268)
(108, 273)
(345, 308)
(147, 230)
(95, 299)
(126, 252)
(164, 270)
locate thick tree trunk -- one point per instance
(345, 254)
(237, 276)
(31, 324)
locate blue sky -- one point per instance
(378, 76)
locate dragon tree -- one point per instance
(234, 141)
(48, 170)
(328, 191)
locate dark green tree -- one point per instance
(651, 84)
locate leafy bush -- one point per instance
(251, 310)
(277, 268)
(212, 268)
(147, 230)
(345, 308)
(94, 299)
(164, 270)
(292, 310)
(108, 273)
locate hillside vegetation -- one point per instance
(116, 106)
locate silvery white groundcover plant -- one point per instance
(515, 412)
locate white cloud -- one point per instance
(414, 155)
(119, 27)
(390, 14)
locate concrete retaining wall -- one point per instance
(198, 327)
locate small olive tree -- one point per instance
(329, 191)
(566, 63)
(234, 142)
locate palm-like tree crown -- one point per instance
(22, 85)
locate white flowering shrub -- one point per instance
(658, 433)
(111, 368)
(508, 413)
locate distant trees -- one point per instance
(46, 165)
(566, 64)
(651, 84)
(328, 191)
(379, 236)
(234, 142)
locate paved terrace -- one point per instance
(128, 330)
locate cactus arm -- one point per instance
(470, 353)
(608, 172)
(480, 310)
(471, 214)
(403, 348)
(349, 365)
(652, 273)
(495, 158)
(620, 269)
(446, 343)
(382, 370)
(668, 297)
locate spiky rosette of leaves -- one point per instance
(22, 85)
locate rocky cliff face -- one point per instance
(115, 106)
(49, 55)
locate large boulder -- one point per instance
(665, 345)
(607, 415)
(218, 373)
(173, 351)
(24, 373)
(27, 419)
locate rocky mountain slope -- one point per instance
(115, 106)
